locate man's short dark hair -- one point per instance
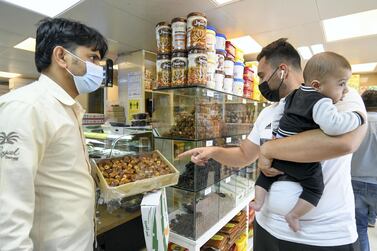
(280, 51)
(370, 99)
(67, 33)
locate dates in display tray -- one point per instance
(128, 169)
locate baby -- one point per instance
(310, 107)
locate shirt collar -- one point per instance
(56, 90)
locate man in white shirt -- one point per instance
(329, 226)
(47, 194)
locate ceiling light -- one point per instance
(4, 74)
(317, 48)
(355, 25)
(27, 45)
(247, 44)
(368, 67)
(45, 7)
(305, 52)
(223, 2)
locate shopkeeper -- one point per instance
(46, 190)
(329, 226)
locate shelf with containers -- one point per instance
(202, 97)
(197, 113)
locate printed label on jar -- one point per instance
(179, 36)
(199, 22)
(179, 71)
(163, 73)
(197, 72)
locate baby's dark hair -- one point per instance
(370, 99)
(323, 65)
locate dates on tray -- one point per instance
(128, 169)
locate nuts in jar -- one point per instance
(163, 71)
(197, 67)
(163, 37)
(196, 30)
(178, 26)
(211, 68)
(179, 69)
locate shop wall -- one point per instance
(368, 79)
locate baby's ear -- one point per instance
(315, 84)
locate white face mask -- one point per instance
(91, 80)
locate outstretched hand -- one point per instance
(199, 156)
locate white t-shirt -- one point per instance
(332, 222)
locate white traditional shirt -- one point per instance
(46, 190)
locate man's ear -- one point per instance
(59, 57)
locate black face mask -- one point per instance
(270, 95)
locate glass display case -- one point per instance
(192, 177)
(191, 214)
(131, 141)
(195, 113)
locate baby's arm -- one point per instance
(332, 122)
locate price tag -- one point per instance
(243, 136)
(228, 140)
(255, 103)
(209, 143)
(207, 191)
(264, 104)
(210, 93)
(243, 101)
(227, 180)
(230, 97)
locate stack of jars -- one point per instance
(164, 44)
(212, 57)
(248, 77)
(220, 61)
(182, 51)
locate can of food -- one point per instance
(248, 73)
(238, 70)
(228, 66)
(178, 26)
(163, 38)
(238, 87)
(219, 80)
(197, 67)
(228, 84)
(163, 66)
(196, 30)
(211, 68)
(211, 39)
(220, 41)
(179, 69)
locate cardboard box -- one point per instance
(154, 213)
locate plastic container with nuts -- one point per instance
(163, 38)
(179, 69)
(163, 66)
(196, 30)
(178, 26)
(197, 67)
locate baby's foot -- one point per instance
(256, 205)
(293, 222)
